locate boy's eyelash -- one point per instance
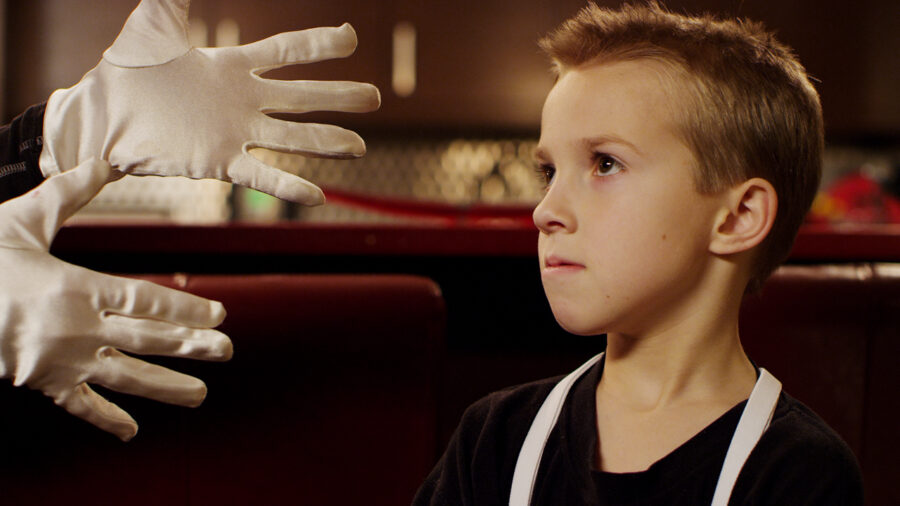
(545, 173)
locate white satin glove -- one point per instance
(154, 105)
(62, 326)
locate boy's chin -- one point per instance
(578, 325)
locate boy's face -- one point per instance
(624, 235)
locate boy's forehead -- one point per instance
(619, 84)
(629, 101)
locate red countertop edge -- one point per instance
(814, 243)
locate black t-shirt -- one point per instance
(20, 147)
(798, 461)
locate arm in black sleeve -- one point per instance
(20, 148)
(449, 482)
(478, 465)
(800, 461)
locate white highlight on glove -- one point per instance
(62, 326)
(154, 105)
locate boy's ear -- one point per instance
(746, 217)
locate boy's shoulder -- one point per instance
(511, 409)
(800, 453)
(796, 427)
(479, 462)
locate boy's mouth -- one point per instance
(554, 263)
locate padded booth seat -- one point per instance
(330, 399)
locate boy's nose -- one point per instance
(552, 212)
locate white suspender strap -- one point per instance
(754, 421)
(529, 461)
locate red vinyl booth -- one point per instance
(831, 334)
(329, 399)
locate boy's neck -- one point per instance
(653, 377)
(658, 391)
(697, 359)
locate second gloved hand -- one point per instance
(62, 326)
(154, 105)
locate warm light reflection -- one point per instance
(403, 78)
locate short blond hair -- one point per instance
(748, 108)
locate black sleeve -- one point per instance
(479, 462)
(20, 147)
(448, 483)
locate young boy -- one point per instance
(680, 155)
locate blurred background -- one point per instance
(462, 84)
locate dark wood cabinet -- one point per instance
(477, 65)
(849, 48)
(258, 20)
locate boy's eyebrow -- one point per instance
(591, 142)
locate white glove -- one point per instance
(62, 326)
(155, 105)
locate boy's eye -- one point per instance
(546, 173)
(606, 165)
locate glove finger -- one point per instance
(153, 337)
(144, 299)
(88, 405)
(128, 375)
(303, 46)
(309, 139)
(252, 173)
(40, 213)
(306, 96)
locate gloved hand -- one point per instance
(62, 326)
(155, 105)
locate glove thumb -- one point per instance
(155, 33)
(35, 217)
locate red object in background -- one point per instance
(437, 213)
(855, 198)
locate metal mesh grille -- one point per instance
(170, 199)
(451, 171)
(457, 171)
